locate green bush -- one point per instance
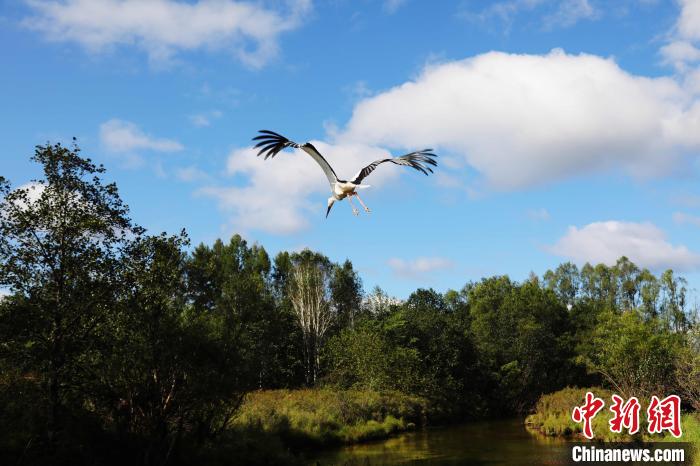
(323, 417)
(552, 416)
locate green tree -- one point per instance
(521, 333)
(60, 247)
(364, 357)
(649, 290)
(688, 368)
(439, 335)
(627, 275)
(634, 355)
(673, 305)
(565, 282)
(346, 293)
(169, 373)
(235, 281)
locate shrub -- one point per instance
(322, 417)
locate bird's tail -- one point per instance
(362, 186)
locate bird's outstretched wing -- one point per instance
(271, 143)
(420, 160)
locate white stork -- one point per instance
(271, 143)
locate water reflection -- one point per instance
(479, 443)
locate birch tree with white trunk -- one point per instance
(310, 296)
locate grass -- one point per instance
(552, 416)
(690, 422)
(318, 417)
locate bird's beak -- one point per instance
(329, 210)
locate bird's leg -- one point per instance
(363, 204)
(354, 210)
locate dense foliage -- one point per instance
(322, 417)
(119, 347)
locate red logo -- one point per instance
(661, 414)
(625, 415)
(665, 415)
(587, 412)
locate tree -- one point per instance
(635, 356)
(364, 357)
(564, 281)
(627, 275)
(378, 303)
(674, 301)
(688, 369)
(144, 382)
(60, 243)
(169, 371)
(309, 292)
(346, 293)
(431, 340)
(521, 334)
(649, 290)
(235, 282)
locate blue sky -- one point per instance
(567, 130)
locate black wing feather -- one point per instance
(421, 160)
(271, 143)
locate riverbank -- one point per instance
(322, 417)
(352, 427)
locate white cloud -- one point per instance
(205, 118)
(191, 174)
(33, 191)
(523, 120)
(682, 218)
(503, 11)
(688, 23)
(538, 214)
(124, 136)
(680, 51)
(686, 200)
(392, 6)
(358, 90)
(419, 267)
(680, 54)
(569, 12)
(643, 243)
(447, 180)
(162, 28)
(562, 14)
(200, 120)
(281, 193)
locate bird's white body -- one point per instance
(343, 189)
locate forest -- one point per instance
(118, 346)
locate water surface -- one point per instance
(478, 443)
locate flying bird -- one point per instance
(271, 143)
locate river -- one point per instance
(478, 443)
